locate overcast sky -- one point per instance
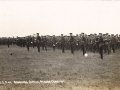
(22, 18)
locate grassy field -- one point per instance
(78, 72)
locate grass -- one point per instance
(79, 72)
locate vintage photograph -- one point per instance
(59, 45)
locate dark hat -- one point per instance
(37, 33)
(107, 33)
(61, 34)
(82, 33)
(70, 33)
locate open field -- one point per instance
(78, 72)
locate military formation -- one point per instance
(101, 43)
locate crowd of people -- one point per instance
(101, 43)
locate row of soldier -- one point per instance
(86, 43)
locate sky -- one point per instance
(23, 18)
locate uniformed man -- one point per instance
(44, 43)
(101, 44)
(33, 41)
(8, 42)
(96, 43)
(62, 40)
(72, 43)
(113, 43)
(106, 43)
(38, 42)
(54, 41)
(80, 41)
(119, 42)
(42, 38)
(108, 39)
(28, 42)
(77, 42)
(23, 42)
(91, 42)
(84, 42)
(88, 43)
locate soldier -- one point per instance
(23, 42)
(33, 41)
(101, 44)
(113, 42)
(84, 42)
(48, 40)
(80, 41)
(8, 42)
(106, 43)
(62, 43)
(66, 42)
(96, 42)
(77, 42)
(44, 43)
(119, 42)
(42, 38)
(28, 42)
(72, 43)
(59, 42)
(38, 42)
(108, 39)
(54, 42)
(88, 43)
(91, 42)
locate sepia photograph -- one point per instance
(59, 45)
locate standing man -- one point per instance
(106, 44)
(62, 43)
(54, 42)
(44, 42)
(33, 41)
(8, 42)
(119, 42)
(38, 42)
(113, 43)
(97, 43)
(77, 42)
(28, 43)
(109, 50)
(101, 44)
(84, 42)
(72, 43)
(23, 42)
